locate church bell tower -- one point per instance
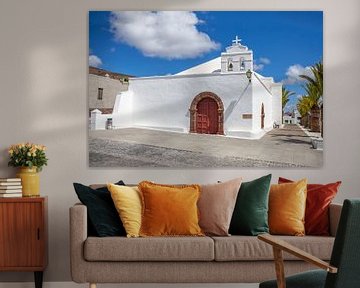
(237, 58)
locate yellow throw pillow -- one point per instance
(127, 201)
(169, 210)
(287, 204)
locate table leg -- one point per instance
(38, 279)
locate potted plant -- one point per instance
(30, 158)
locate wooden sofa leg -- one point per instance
(92, 285)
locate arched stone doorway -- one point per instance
(262, 116)
(207, 114)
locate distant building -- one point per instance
(292, 117)
(103, 87)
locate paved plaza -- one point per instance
(134, 147)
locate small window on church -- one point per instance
(100, 93)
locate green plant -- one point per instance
(285, 99)
(27, 155)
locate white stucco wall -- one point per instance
(236, 60)
(163, 102)
(122, 113)
(276, 91)
(261, 96)
(207, 67)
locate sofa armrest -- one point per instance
(279, 246)
(78, 235)
(334, 217)
(284, 246)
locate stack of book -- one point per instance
(10, 187)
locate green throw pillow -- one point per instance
(250, 216)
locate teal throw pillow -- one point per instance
(250, 216)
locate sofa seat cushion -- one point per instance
(149, 249)
(244, 248)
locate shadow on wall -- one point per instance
(46, 80)
(233, 104)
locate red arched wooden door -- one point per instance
(207, 116)
(262, 116)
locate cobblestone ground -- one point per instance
(133, 147)
(139, 155)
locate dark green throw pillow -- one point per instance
(250, 216)
(103, 218)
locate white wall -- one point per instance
(277, 102)
(262, 96)
(164, 102)
(43, 80)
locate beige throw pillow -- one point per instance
(216, 206)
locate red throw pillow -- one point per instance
(319, 197)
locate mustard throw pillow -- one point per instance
(287, 204)
(127, 201)
(169, 210)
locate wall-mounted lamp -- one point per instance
(248, 74)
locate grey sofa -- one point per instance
(234, 259)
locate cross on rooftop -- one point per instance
(236, 41)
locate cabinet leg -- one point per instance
(38, 279)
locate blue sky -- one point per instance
(284, 43)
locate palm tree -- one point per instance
(317, 79)
(284, 100)
(304, 107)
(314, 90)
(312, 93)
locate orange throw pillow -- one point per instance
(169, 210)
(318, 200)
(287, 204)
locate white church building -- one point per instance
(223, 96)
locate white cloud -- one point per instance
(289, 107)
(260, 63)
(258, 67)
(264, 60)
(293, 73)
(94, 61)
(164, 34)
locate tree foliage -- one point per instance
(313, 89)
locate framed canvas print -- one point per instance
(197, 89)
